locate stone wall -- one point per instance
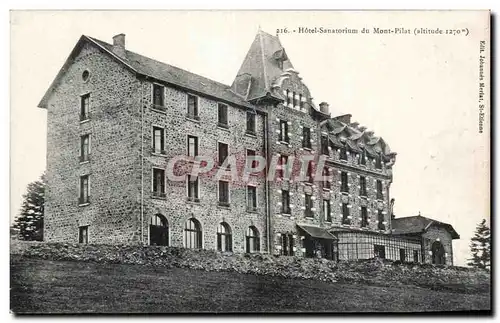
(287, 223)
(121, 163)
(435, 233)
(371, 271)
(296, 120)
(113, 166)
(175, 206)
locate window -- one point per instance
(158, 96)
(343, 153)
(192, 188)
(252, 198)
(308, 203)
(345, 214)
(295, 103)
(306, 137)
(250, 157)
(380, 218)
(85, 76)
(402, 255)
(224, 237)
(326, 181)
(287, 244)
(158, 182)
(364, 217)
(378, 161)
(158, 230)
(252, 240)
(223, 193)
(283, 162)
(192, 147)
(84, 189)
(379, 251)
(251, 123)
(288, 97)
(84, 148)
(222, 116)
(284, 131)
(285, 202)
(83, 234)
(280, 64)
(415, 255)
(158, 140)
(327, 209)
(192, 111)
(380, 195)
(223, 152)
(324, 145)
(301, 103)
(192, 234)
(362, 186)
(84, 106)
(344, 183)
(362, 158)
(309, 173)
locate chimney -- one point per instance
(323, 107)
(119, 45)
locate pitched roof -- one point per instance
(261, 62)
(419, 224)
(317, 232)
(359, 138)
(146, 66)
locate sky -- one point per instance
(418, 92)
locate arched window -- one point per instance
(438, 254)
(192, 234)
(252, 240)
(158, 230)
(224, 237)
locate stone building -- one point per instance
(116, 121)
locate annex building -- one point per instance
(116, 118)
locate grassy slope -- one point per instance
(44, 286)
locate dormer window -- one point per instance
(280, 56)
(378, 162)
(343, 153)
(362, 158)
(288, 93)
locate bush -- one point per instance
(371, 271)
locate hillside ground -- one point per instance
(47, 286)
